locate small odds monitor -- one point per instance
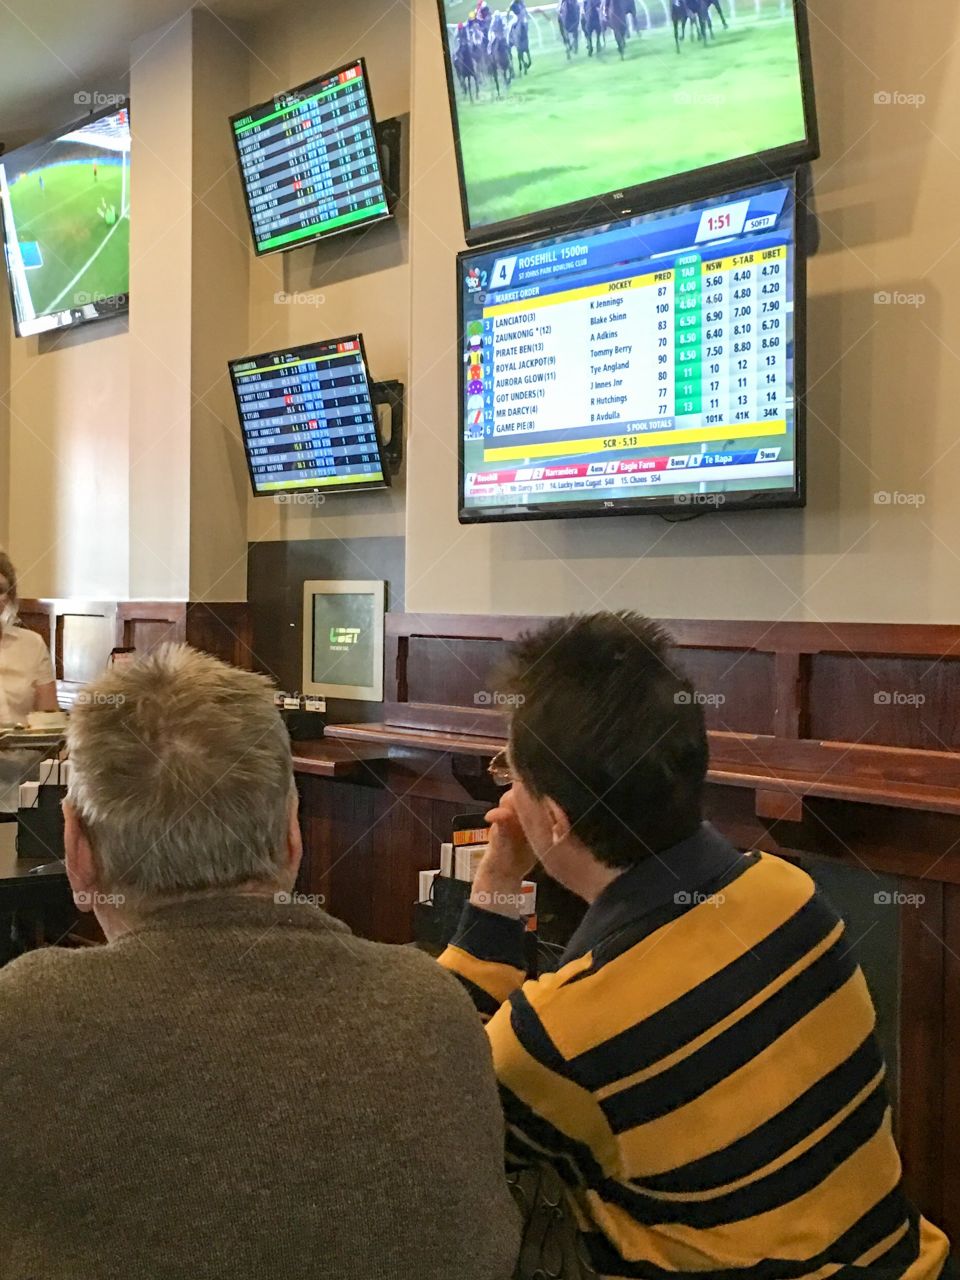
(343, 639)
(308, 420)
(311, 162)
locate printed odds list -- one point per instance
(732, 338)
(701, 345)
(599, 338)
(312, 164)
(309, 422)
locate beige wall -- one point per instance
(219, 291)
(885, 380)
(351, 283)
(69, 458)
(161, 248)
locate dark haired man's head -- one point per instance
(608, 735)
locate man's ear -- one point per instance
(559, 822)
(294, 839)
(81, 863)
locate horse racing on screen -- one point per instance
(559, 105)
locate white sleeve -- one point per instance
(43, 670)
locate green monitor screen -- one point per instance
(343, 639)
(310, 161)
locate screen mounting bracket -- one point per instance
(390, 396)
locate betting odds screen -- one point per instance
(308, 419)
(647, 363)
(310, 161)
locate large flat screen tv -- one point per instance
(650, 364)
(593, 109)
(65, 204)
(310, 161)
(308, 419)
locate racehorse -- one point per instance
(477, 42)
(616, 19)
(697, 11)
(465, 66)
(592, 23)
(500, 57)
(568, 18)
(630, 11)
(716, 5)
(519, 39)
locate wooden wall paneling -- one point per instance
(144, 625)
(863, 638)
(920, 1128)
(406, 841)
(85, 637)
(223, 629)
(899, 842)
(894, 700)
(453, 672)
(39, 616)
(791, 681)
(737, 687)
(437, 669)
(950, 1085)
(351, 872)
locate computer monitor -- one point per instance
(310, 161)
(65, 206)
(568, 113)
(343, 639)
(650, 364)
(308, 419)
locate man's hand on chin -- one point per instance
(498, 883)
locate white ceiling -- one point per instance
(52, 50)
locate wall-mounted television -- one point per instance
(308, 419)
(65, 204)
(650, 364)
(310, 161)
(556, 123)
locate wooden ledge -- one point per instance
(425, 739)
(784, 772)
(328, 759)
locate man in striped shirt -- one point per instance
(702, 1070)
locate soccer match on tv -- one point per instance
(66, 212)
(559, 102)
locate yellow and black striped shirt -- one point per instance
(703, 1072)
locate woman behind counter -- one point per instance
(27, 684)
(26, 673)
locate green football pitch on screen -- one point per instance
(73, 228)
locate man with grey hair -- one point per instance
(234, 1086)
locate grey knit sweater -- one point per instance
(246, 1090)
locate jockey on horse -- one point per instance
(518, 35)
(484, 16)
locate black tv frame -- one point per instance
(642, 197)
(378, 396)
(107, 308)
(665, 507)
(388, 179)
